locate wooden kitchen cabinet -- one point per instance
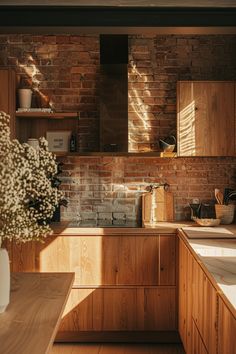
(122, 282)
(197, 344)
(206, 118)
(7, 95)
(226, 330)
(183, 304)
(204, 307)
(120, 309)
(103, 260)
(197, 305)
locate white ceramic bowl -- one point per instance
(207, 222)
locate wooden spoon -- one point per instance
(219, 196)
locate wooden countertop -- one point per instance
(64, 229)
(31, 320)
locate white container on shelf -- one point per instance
(34, 143)
(25, 97)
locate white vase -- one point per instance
(25, 96)
(4, 280)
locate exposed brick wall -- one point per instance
(64, 74)
(66, 69)
(156, 64)
(114, 184)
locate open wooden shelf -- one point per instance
(47, 115)
(122, 154)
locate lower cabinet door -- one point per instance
(204, 307)
(198, 346)
(226, 330)
(156, 309)
(122, 309)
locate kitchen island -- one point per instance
(30, 322)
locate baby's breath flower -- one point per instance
(27, 197)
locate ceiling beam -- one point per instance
(32, 16)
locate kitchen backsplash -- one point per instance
(106, 187)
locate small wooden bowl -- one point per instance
(207, 222)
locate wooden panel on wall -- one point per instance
(7, 96)
(30, 127)
(167, 260)
(226, 330)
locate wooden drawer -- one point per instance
(112, 260)
(120, 309)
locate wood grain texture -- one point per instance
(182, 282)
(122, 282)
(107, 260)
(197, 344)
(64, 229)
(32, 317)
(206, 120)
(204, 307)
(120, 309)
(117, 349)
(7, 95)
(156, 309)
(167, 255)
(157, 206)
(36, 127)
(226, 330)
(118, 337)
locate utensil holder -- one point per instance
(225, 213)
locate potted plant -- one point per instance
(28, 196)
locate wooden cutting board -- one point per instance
(208, 232)
(157, 205)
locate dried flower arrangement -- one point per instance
(28, 195)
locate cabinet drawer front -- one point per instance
(100, 310)
(104, 260)
(120, 309)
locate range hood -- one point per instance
(114, 93)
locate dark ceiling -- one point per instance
(125, 3)
(115, 16)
